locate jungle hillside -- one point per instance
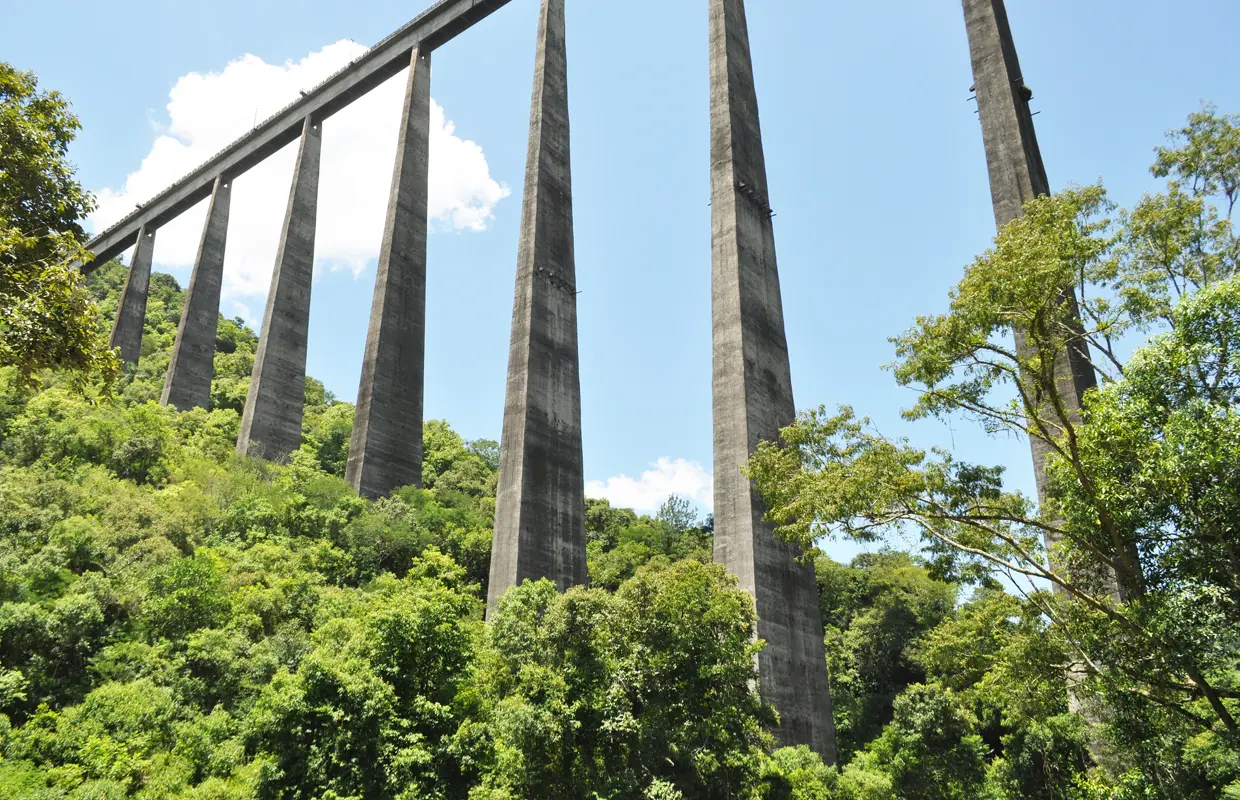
(178, 622)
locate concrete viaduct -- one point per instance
(540, 512)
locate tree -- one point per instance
(1141, 488)
(877, 612)
(50, 319)
(931, 750)
(615, 695)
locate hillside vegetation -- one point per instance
(178, 622)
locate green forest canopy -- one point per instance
(179, 622)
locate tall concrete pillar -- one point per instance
(271, 423)
(386, 449)
(540, 507)
(753, 395)
(188, 383)
(131, 311)
(1017, 175)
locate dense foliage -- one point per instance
(179, 622)
(47, 319)
(1128, 565)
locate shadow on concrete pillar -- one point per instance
(271, 423)
(752, 388)
(386, 448)
(131, 310)
(540, 506)
(188, 383)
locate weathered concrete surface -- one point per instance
(753, 395)
(386, 449)
(131, 310)
(188, 383)
(1017, 175)
(271, 423)
(433, 27)
(540, 508)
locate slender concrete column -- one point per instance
(131, 311)
(540, 508)
(271, 424)
(753, 395)
(386, 449)
(1017, 175)
(188, 384)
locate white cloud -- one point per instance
(206, 112)
(687, 479)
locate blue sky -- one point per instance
(875, 158)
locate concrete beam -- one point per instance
(386, 448)
(188, 383)
(430, 29)
(271, 422)
(752, 386)
(131, 311)
(540, 505)
(1017, 174)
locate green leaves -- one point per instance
(49, 318)
(1134, 530)
(1208, 155)
(590, 693)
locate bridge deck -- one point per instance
(437, 25)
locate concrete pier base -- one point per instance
(386, 448)
(540, 507)
(131, 311)
(753, 395)
(188, 384)
(271, 423)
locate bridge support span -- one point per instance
(131, 311)
(386, 448)
(432, 28)
(540, 524)
(271, 422)
(188, 383)
(752, 389)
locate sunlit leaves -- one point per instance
(48, 318)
